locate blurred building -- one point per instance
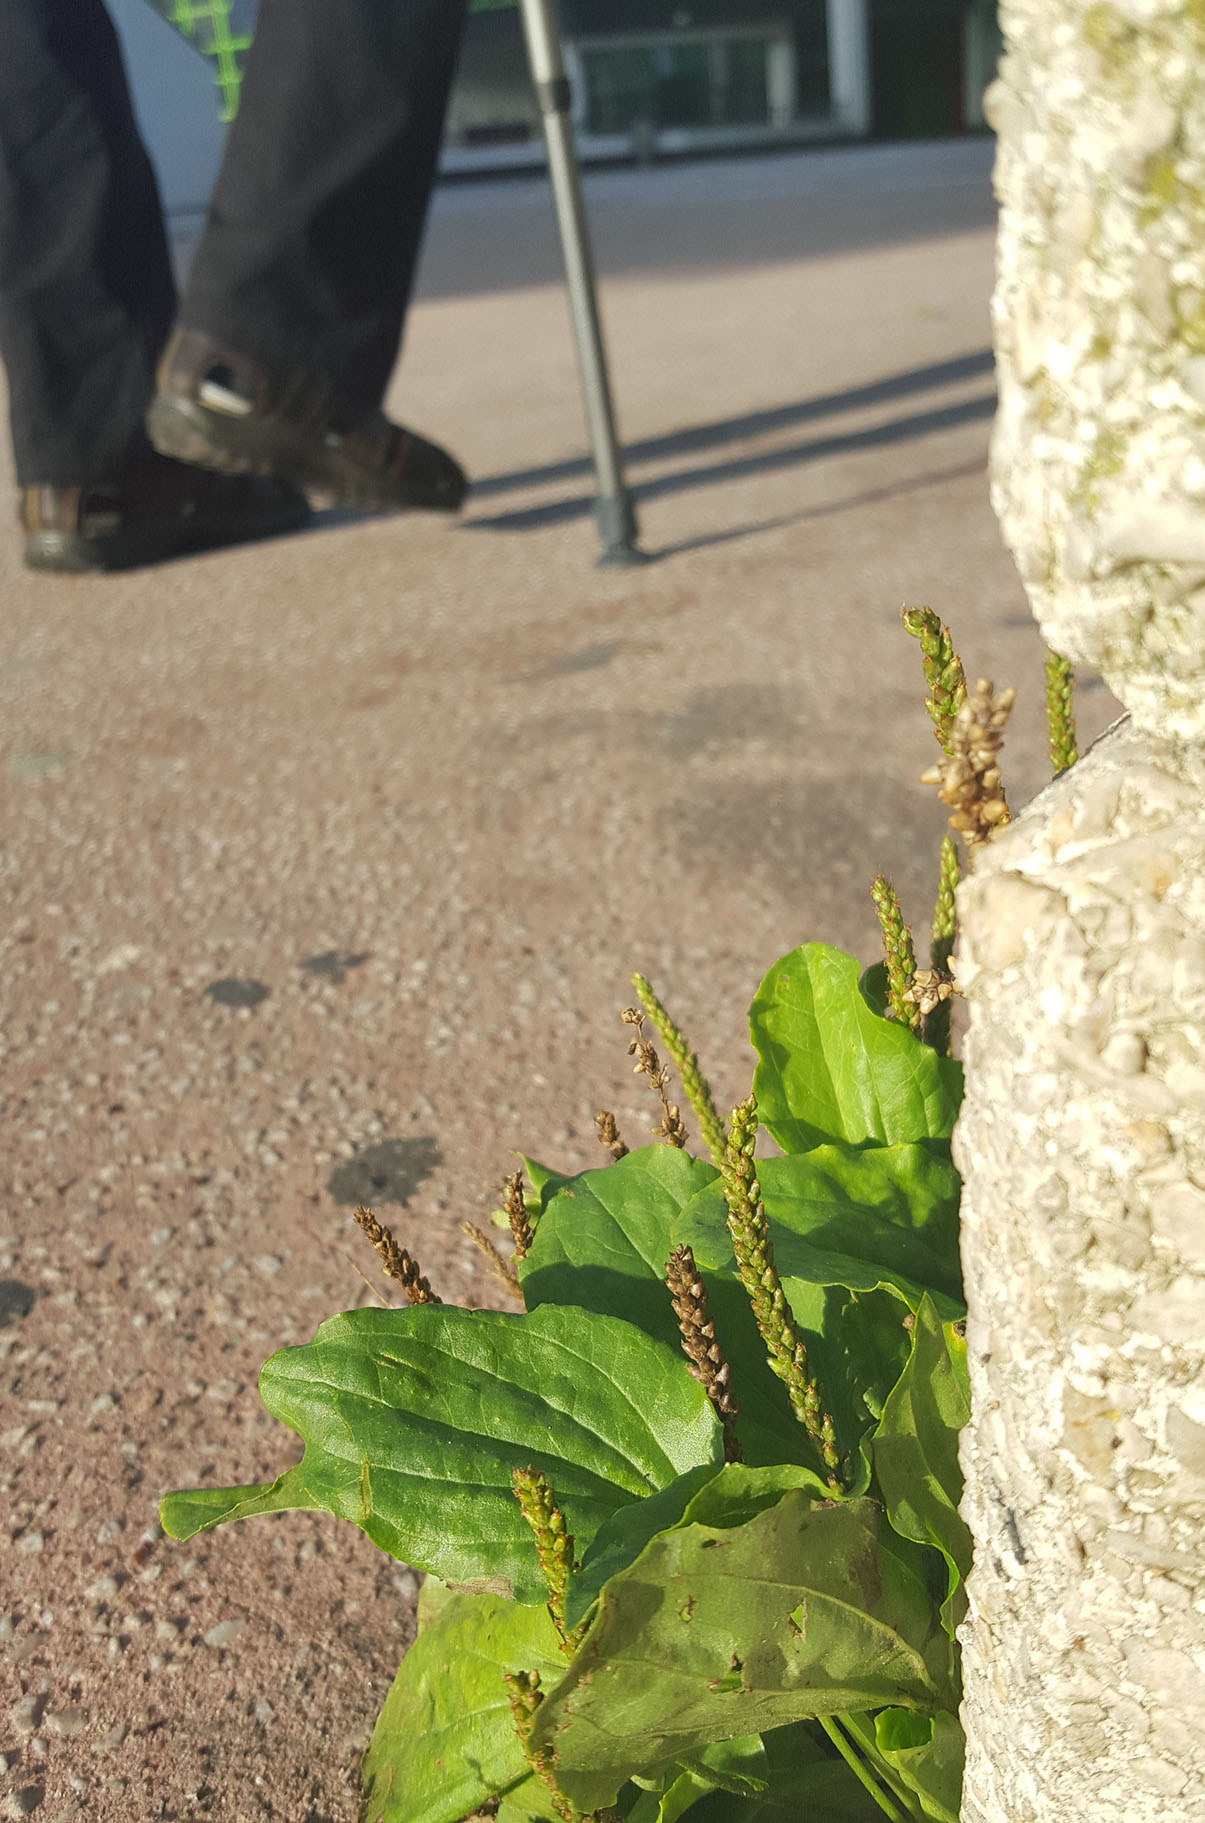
(658, 77)
(651, 78)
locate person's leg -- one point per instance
(294, 307)
(86, 293)
(314, 229)
(86, 304)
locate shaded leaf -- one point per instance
(725, 1497)
(927, 1753)
(677, 1797)
(806, 1609)
(445, 1741)
(620, 1539)
(829, 1068)
(807, 1785)
(414, 1421)
(915, 1451)
(738, 1765)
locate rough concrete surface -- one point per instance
(1082, 1139)
(435, 791)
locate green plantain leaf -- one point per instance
(604, 1237)
(545, 1182)
(868, 1216)
(620, 1539)
(808, 1608)
(735, 1494)
(603, 1241)
(415, 1419)
(915, 1450)
(445, 1741)
(927, 1754)
(831, 1069)
(726, 1497)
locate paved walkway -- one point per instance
(432, 792)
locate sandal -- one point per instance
(154, 510)
(219, 410)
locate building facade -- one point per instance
(650, 78)
(655, 78)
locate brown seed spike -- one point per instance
(608, 1134)
(516, 1214)
(396, 1263)
(710, 1369)
(502, 1267)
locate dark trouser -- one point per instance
(309, 253)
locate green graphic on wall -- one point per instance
(221, 30)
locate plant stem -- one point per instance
(860, 1771)
(859, 1726)
(942, 933)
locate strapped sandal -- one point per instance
(154, 510)
(219, 410)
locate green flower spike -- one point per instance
(943, 669)
(785, 1352)
(554, 1546)
(897, 951)
(1060, 716)
(698, 1093)
(525, 1696)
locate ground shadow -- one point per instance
(388, 1172)
(696, 439)
(728, 431)
(16, 1301)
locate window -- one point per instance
(701, 80)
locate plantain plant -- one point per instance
(689, 1520)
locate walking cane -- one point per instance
(615, 507)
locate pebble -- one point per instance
(104, 1403)
(65, 1722)
(225, 1633)
(25, 1714)
(103, 1589)
(30, 1545)
(21, 1803)
(115, 1736)
(269, 1264)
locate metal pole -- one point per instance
(615, 506)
